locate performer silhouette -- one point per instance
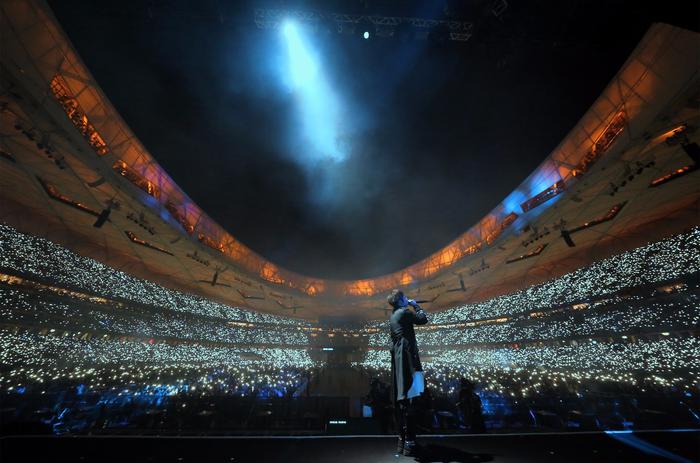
(406, 370)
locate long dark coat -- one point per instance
(404, 350)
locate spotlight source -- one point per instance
(365, 28)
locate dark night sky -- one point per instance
(443, 131)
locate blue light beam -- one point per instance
(318, 104)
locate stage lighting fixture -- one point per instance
(365, 28)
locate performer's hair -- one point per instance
(394, 298)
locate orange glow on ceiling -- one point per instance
(315, 288)
(360, 288)
(270, 272)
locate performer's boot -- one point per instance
(402, 440)
(409, 448)
(409, 445)
(401, 425)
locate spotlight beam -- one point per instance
(318, 104)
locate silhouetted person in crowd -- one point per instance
(470, 406)
(378, 398)
(406, 370)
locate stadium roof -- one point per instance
(67, 155)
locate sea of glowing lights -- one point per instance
(618, 316)
(601, 334)
(38, 360)
(30, 255)
(21, 307)
(660, 261)
(662, 358)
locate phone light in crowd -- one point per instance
(366, 35)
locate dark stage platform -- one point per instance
(647, 446)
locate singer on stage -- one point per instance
(406, 370)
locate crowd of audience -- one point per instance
(660, 261)
(33, 256)
(664, 355)
(115, 352)
(35, 308)
(618, 316)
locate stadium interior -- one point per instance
(572, 307)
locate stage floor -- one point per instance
(590, 447)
